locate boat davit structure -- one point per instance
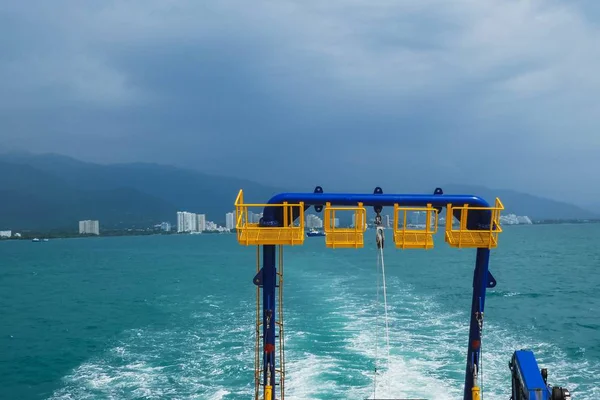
(282, 224)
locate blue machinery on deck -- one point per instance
(282, 223)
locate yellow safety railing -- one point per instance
(345, 237)
(462, 237)
(413, 236)
(250, 233)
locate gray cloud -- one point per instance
(349, 92)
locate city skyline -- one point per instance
(189, 222)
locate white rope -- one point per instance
(387, 328)
(381, 263)
(481, 356)
(376, 330)
(481, 370)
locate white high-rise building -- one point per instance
(201, 221)
(318, 222)
(361, 222)
(186, 222)
(89, 227)
(417, 218)
(313, 221)
(180, 221)
(230, 220)
(254, 218)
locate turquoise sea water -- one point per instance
(171, 317)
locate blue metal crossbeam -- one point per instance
(477, 219)
(351, 199)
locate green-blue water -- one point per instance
(171, 317)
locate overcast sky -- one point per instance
(503, 93)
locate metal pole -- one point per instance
(269, 301)
(480, 283)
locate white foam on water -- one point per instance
(135, 380)
(220, 394)
(428, 352)
(404, 379)
(200, 362)
(305, 373)
(415, 358)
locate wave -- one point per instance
(332, 332)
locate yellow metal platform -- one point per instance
(461, 237)
(408, 236)
(413, 240)
(345, 237)
(250, 233)
(472, 239)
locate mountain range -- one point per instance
(49, 191)
(535, 207)
(41, 192)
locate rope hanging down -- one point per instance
(376, 329)
(380, 239)
(477, 389)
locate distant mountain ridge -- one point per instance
(535, 207)
(49, 191)
(54, 192)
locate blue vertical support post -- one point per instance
(269, 302)
(480, 283)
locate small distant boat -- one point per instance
(35, 240)
(315, 232)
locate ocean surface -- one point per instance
(172, 317)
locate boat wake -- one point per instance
(330, 351)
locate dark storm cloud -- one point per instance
(360, 91)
